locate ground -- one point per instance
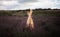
(14, 26)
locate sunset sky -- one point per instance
(25, 4)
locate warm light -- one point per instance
(30, 22)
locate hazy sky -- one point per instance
(25, 4)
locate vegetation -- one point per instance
(36, 12)
(14, 26)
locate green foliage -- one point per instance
(46, 13)
(5, 13)
(40, 12)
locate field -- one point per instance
(46, 23)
